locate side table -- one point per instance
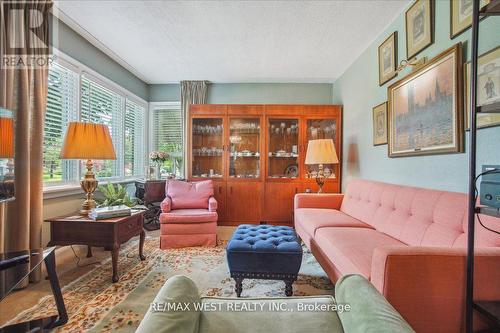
(17, 267)
(109, 233)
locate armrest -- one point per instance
(166, 205)
(314, 200)
(212, 204)
(160, 318)
(369, 311)
(427, 284)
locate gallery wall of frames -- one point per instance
(426, 111)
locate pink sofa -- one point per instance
(189, 215)
(409, 242)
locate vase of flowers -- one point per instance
(158, 158)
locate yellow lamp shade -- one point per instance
(321, 152)
(88, 141)
(6, 137)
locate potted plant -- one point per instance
(115, 196)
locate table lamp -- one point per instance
(321, 152)
(7, 142)
(87, 141)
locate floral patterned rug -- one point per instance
(95, 304)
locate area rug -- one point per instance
(95, 304)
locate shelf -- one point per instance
(207, 155)
(489, 108)
(247, 156)
(491, 9)
(490, 309)
(495, 212)
(216, 134)
(241, 131)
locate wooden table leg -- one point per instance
(114, 258)
(89, 252)
(141, 245)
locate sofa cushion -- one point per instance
(311, 219)
(260, 315)
(189, 195)
(351, 249)
(188, 216)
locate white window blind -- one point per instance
(167, 136)
(134, 139)
(103, 106)
(74, 95)
(62, 107)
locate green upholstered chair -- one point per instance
(178, 309)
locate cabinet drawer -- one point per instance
(131, 226)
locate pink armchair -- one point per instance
(189, 215)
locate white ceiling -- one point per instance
(233, 41)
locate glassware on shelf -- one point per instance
(283, 153)
(207, 147)
(244, 147)
(321, 129)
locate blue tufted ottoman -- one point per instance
(264, 252)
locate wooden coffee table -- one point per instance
(75, 229)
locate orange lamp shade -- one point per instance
(321, 152)
(6, 137)
(88, 141)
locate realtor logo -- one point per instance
(25, 31)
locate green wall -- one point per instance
(252, 93)
(77, 47)
(358, 90)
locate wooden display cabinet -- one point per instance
(255, 155)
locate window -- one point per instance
(77, 96)
(167, 136)
(62, 106)
(134, 139)
(103, 106)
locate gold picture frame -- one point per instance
(425, 108)
(461, 15)
(419, 22)
(488, 63)
(380, 124)
(388, 59)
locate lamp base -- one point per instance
(320, 178)
(89, 185)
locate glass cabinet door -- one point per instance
(244, 148)
(207, 147)
(283, 148)
(321, 129)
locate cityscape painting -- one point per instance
(425, 109)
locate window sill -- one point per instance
(59, 191)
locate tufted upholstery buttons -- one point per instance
(265, 238)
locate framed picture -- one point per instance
(425, 108)
(380, 124)
(419, 27)
(388, 59)
(488, 88)
(461, 15)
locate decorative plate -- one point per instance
(292, 171)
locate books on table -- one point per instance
(103, 213)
